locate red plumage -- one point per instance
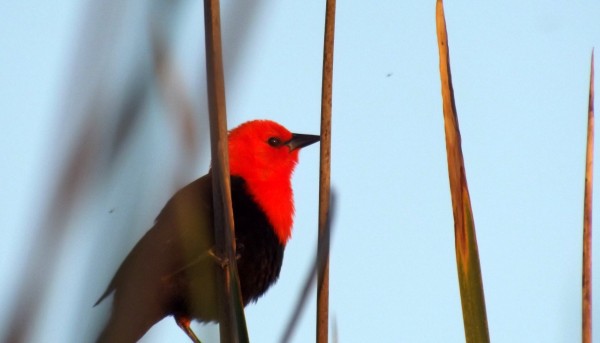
(267, 171)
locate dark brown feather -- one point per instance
(170, 270)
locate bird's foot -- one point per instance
(221, 261)
(184, 324)
(210, 253)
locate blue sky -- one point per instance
(521, 76)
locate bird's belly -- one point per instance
(258, 269)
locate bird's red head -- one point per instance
(265, 154)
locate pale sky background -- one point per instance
(521, 77)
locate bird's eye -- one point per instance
(274, 141)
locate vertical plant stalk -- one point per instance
(232, 325)
(467, 255)
(322, 255)
(587, 219)
(322, 330)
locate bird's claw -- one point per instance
(184, 324)
(221, 261)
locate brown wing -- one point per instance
(149, 284)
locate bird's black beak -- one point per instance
(300, 141)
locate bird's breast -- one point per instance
(259, 248)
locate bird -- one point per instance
(170, 271)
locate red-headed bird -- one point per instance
(170, 270)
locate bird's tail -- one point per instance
(127, 324)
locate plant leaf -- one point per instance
(587, 219)
(467, 255)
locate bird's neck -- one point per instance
(276, 199)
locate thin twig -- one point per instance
(223, 211)
(322, 329)
(320, 260)
(465, 238)
(587, 218)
